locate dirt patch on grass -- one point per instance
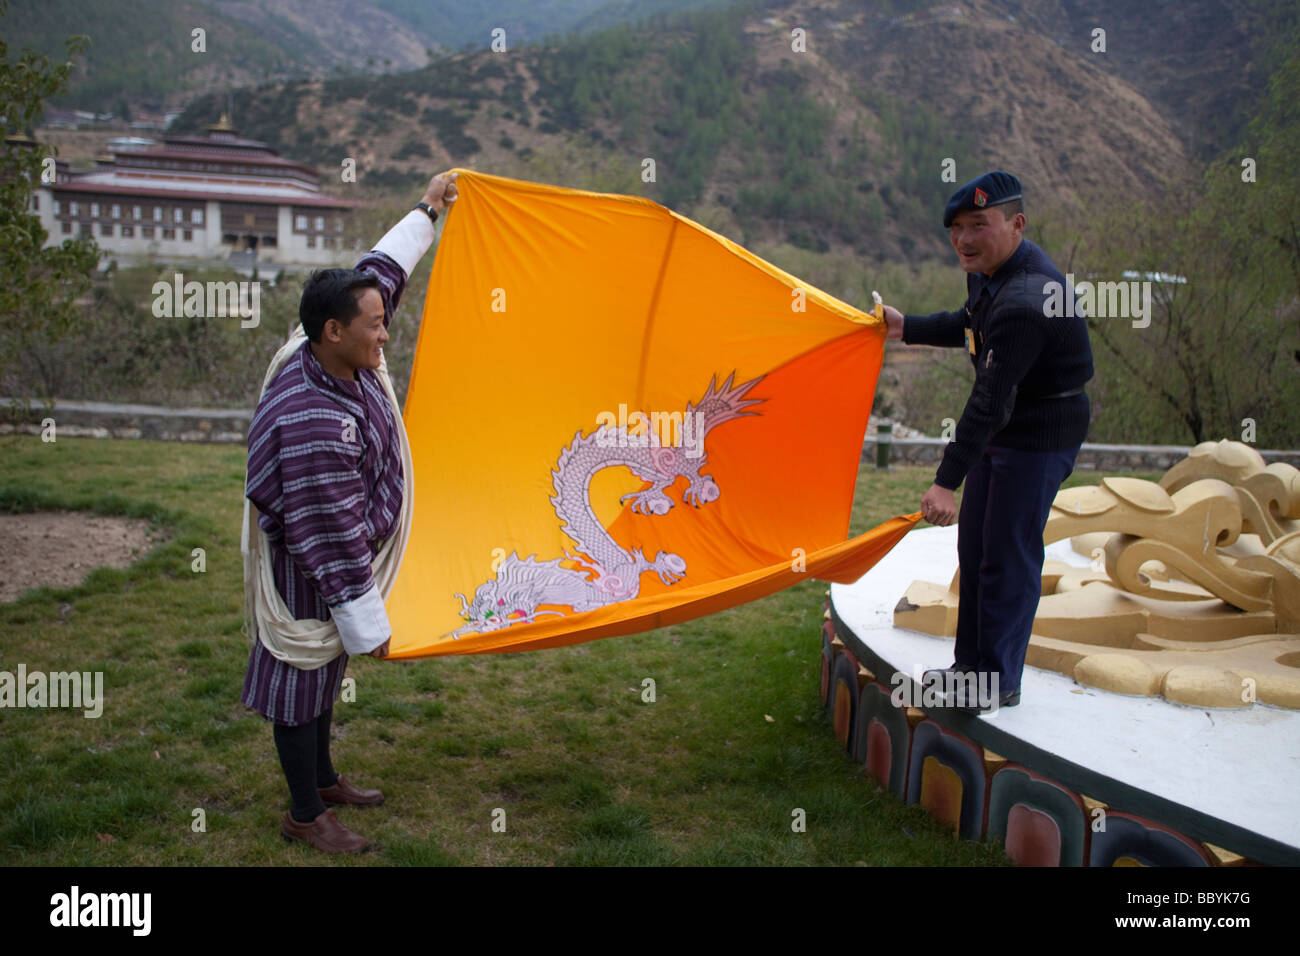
(59, 548)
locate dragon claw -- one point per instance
(701, 491)
(670, 567)
(651, 501)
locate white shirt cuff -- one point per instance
(408, 241)
(363, 622)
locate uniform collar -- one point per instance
(994, 282)
(323, 380)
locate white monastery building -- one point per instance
(214, 198)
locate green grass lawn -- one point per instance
(586, 772)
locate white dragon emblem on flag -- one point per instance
(610, 572)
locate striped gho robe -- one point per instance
(327, 500)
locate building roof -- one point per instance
(179, 172)
(211, 155)
(224, 192)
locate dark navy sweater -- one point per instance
(1023, 360)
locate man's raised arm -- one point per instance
(395, 255)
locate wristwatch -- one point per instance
(433, 216)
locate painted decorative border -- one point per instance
(988, 784)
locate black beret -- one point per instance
(991, 189)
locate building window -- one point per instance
(36, 203)
(58, 208)
(128, 231)
(196, 217)
(67, 227)
(169, 233)
(188, 235)
(146, 232)
(320, 223)
(135, 213)
(338, 223)
(94, 210)
(300, 223)
(117, 211)
(73, 208)
(311, 242)
(157, 213)
(105, 228)
(178, 214)
(268, 242)
(84, 229)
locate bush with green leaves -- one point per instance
(42, 286)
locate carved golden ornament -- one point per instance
(1194, 593)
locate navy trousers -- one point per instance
(1004, 507)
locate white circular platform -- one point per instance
(1239, 766)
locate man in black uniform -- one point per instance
(1022, 426)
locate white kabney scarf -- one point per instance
(309, 644)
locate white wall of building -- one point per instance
(204, 246)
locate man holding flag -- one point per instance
(1019, 433)
(329, 473)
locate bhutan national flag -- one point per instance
(618, 420)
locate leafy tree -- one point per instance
(1221, 346)
(38, 297)
(1210, 355)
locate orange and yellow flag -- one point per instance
(620, 420)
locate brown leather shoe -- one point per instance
(324, 833)
(344, 793)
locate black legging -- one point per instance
(305, 758)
